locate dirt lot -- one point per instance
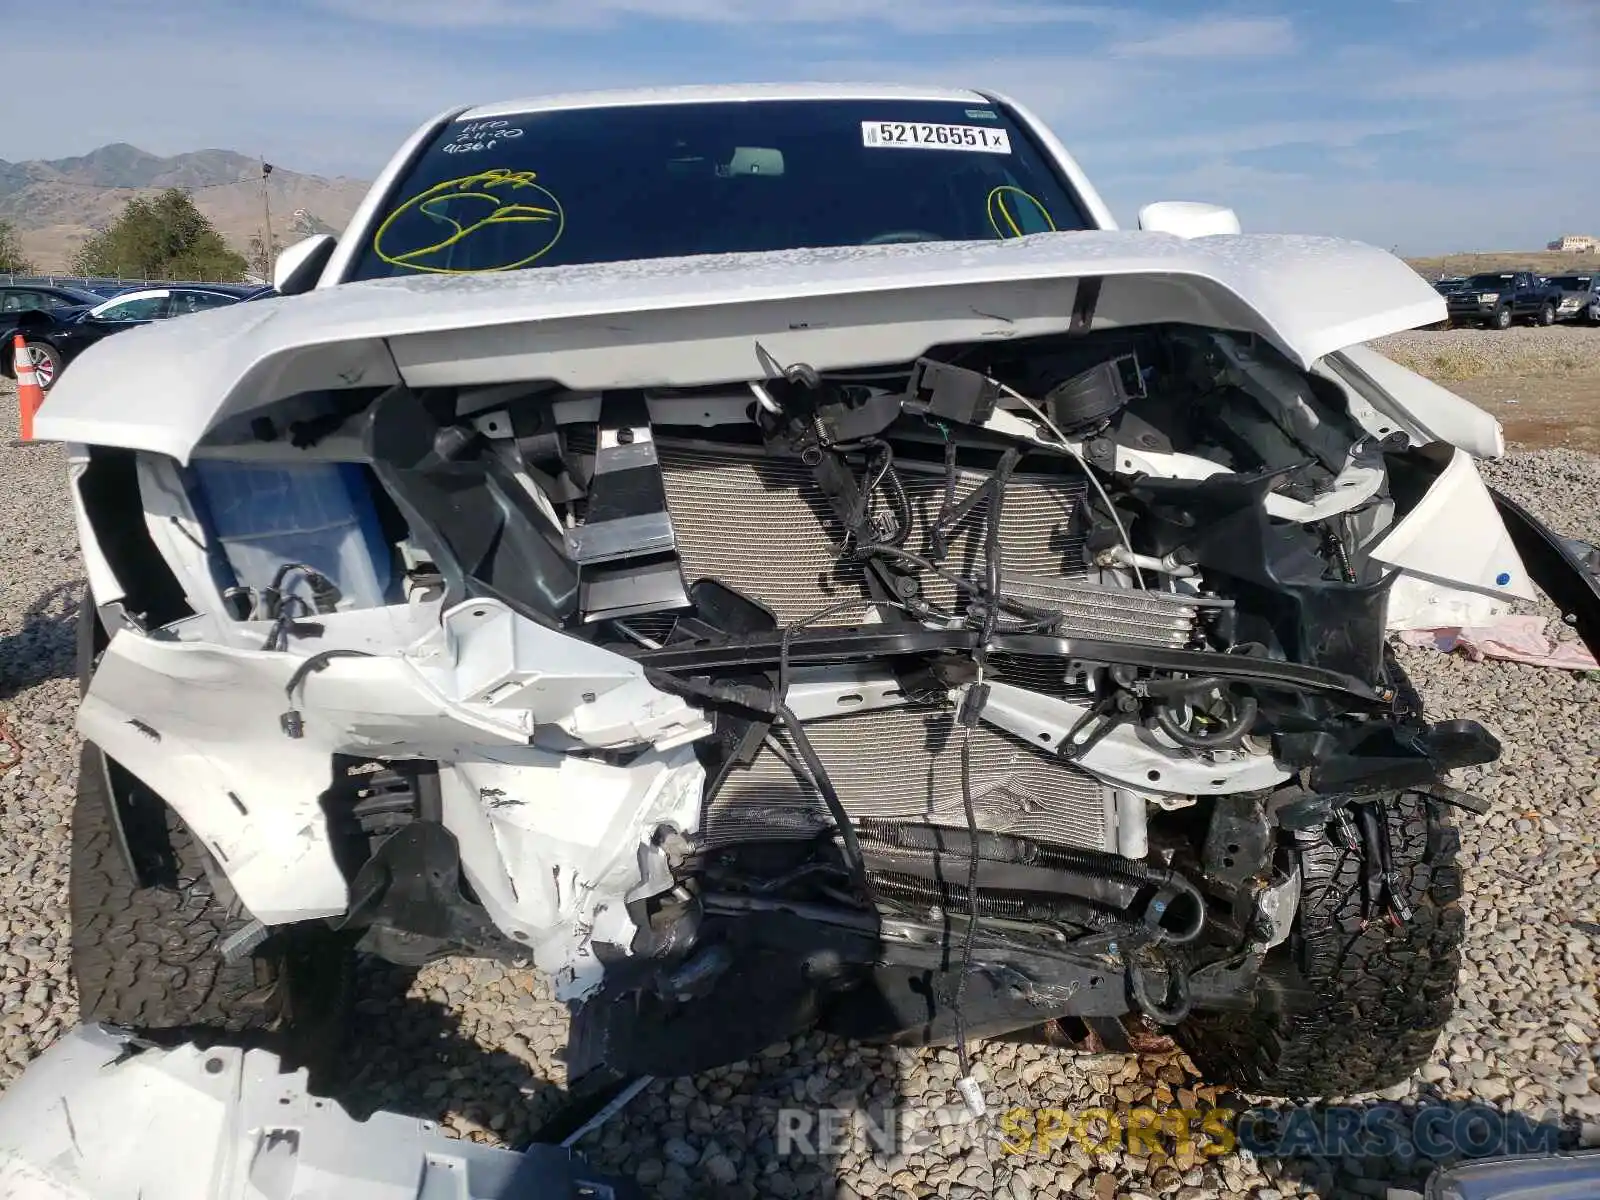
(1546, 262)
(1543, 384)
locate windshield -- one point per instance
(1572, 283)
(1489, 281)
(657, 181)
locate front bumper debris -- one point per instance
(102, 1115)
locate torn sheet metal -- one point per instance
(551, 844)
(549, 841)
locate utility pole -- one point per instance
(266, 215)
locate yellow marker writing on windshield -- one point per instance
(468, 205)
(1007, 203)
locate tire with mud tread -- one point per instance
(146, 946)
(1502, 318)
(1547, 314)
(1350, 1003)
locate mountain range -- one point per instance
(56, 204)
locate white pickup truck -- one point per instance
(782, 558)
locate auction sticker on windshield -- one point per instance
(919, 135)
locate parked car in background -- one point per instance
(46, 297)
(1446, 286)
(1499, 299)
(1579, 298)
(57, 336)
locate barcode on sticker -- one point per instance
(919, 135)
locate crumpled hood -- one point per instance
(695, 321)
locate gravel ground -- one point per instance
(480, 1047)
(1520, 350)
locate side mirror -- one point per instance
(1188, 218)
(299, 266)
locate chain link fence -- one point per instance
(96, 282)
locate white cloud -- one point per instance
(1486, 81)
(1214, 37)
(1251, 137)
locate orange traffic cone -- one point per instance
(29, 394)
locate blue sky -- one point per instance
(1430, 125)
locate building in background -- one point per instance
(1576, 243)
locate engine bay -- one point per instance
(879, 665)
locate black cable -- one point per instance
(972, 711)
(278, 634)
(1222, 739)
(292, 722)
(881, 470)
(324, 598)
(991, 547)
(794, 627)
(947, 508)
(963, 1056)
(830, 797)
(318, 662)
(1038, 620)
(802, 744)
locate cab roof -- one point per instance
(728, 93)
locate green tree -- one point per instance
(260, 261)
(160, 237)
(12, 259)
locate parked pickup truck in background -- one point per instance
(1445, 286)
(1500, 298)
(1578, 299)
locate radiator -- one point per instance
(762, 526)
(904, 764)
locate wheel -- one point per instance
(148, 958)
(145, 946)
(46, 361)
(1502, 318)
(1547, 315)
(1349, 1004)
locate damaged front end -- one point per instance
(908, 698)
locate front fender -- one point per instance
(202, 732)
(1428, 412)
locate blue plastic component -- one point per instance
(319, 514)
(1503, 578)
